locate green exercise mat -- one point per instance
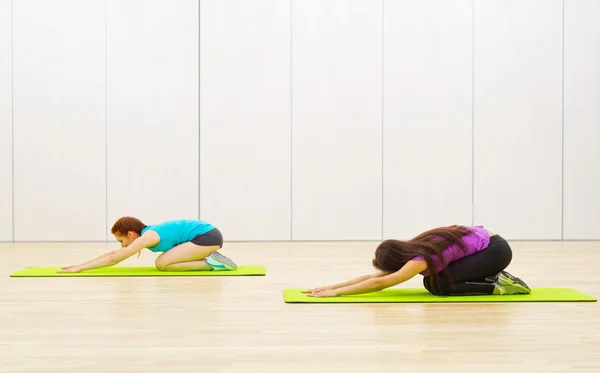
(423, 296)
(126, 271)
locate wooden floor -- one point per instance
(241, 324)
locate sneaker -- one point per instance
(220, 262)
(509, 284)
(493, 278)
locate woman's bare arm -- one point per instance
(148, 239)
(346, 283)
(408, 271)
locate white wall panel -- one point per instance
(245, 117)
(336, 119)
(428, 52)
(6, 168)
(59, 120)
(582, 120)
(518, 117)
(152, 101)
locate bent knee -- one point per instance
(161, 265)
(443, 292)
(438, 290)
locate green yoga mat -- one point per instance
(422, 296)
(126, 271)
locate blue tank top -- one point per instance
(176, 232)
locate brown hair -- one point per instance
(391, 255)
(126, 224)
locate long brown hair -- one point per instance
(391, 255)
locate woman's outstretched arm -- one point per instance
(346, 283)
(408, 271)
(148, 239)
(101, 256)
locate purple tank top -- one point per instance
(477, 240)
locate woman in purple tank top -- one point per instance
(454, 260)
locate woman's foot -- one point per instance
(220, 262)
(508, 284)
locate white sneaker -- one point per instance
(220, 262)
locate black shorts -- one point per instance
(210, 238)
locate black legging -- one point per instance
(469, 274)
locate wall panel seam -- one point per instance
(291, 217)
(106, 118)
(12, 110)
(382, 117)
(562, 176)
(199, 108)
(473, 113)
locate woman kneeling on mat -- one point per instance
(186, 245)
(455, 260)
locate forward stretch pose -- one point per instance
(454, 260)
(186, 245)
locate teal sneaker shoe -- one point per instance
(220, 262)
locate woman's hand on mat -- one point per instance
(316, 290)
(324, 293)
(308, 291)
(69, 269)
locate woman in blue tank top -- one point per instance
(455, 260)
(185, 245)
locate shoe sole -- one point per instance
(228, 263)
